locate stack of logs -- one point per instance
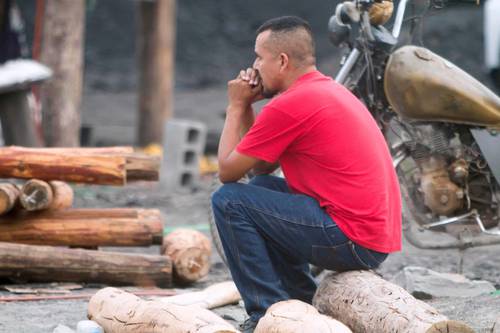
(37, 223)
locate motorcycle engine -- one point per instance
(443, 170)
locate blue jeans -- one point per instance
(270, 236)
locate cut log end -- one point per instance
(190, 252)
(450, 326)
(9, 195)
(36, 195)
(191, 264)
(63, 195)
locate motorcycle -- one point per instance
(442, 126)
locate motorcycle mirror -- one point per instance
(337, 34)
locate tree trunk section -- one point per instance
(115, 150)
(156, 43)
(29, 263)
(106, 166)
(295, 316)
(62, 51)
(142, 167)
(212, 297)
(9, 197)
(84, 228)
(120, 312)
(190, 252)
(93, 169)
(367, 303)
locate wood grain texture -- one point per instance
(84, 227)
(36, 195)
(93, 169)
(296, 316)
(190, 251)
(9, 197)
(30, 263)
(118, 311)
(367, 303)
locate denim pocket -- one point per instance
(368, 258)
(337, 258)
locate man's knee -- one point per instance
(225, 193)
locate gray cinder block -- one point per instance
(183, 144)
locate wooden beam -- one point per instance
(114, 150)
(30, 263)
(84, 227)
(105, 166)
(94, 169)
(156, 42)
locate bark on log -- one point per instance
(142, 167)
(9, 197)
(38, 195)
(190, 252)
(215, 296)
(84, 227)
(120, 312)
(94, 169)
(367, 303)
(295, 316)
(115, 165)
(117, 150)
(29, 263)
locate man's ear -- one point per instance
(284, 61)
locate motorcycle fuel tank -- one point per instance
(421, 85)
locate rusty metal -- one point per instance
(421, 85)
(441, 195)
(459, 171)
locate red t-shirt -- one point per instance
(331, 149)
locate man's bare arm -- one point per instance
(261, 167)
(264, 168)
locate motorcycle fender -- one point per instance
(490, 147)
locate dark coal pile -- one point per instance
(215, 38)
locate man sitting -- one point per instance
(339, 205)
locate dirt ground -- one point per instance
(109, 109)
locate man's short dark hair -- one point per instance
(284, 23)
(292, 35)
